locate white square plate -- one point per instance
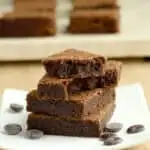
(131, 109)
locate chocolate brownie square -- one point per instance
(94, 4)
(54, 88)
(26, 24)
(78, 105)
(105, 20)
(38, 5)
(91, 126)
(74, 63)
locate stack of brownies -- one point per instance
(29, 18)
(76, 96)
(95, 16)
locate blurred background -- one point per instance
(31, 30)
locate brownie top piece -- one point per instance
(73, 54)
(110, 65)
(93, 117)
(80, 97)
(105, 12)
(93, 3)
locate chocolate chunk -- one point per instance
(135, 129)
(34, 134)
(13, 129)
(16, 107)
(106, 135)
(113, 141)
(113, 127)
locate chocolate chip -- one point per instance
(113, 141)
(34, 134)
(107, 135)
(13, 129)
(16, 107)
(135, 129)
(113, 127)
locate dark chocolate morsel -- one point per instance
(13, 129)
(16, 107)
(34, 134)
(107, 135)
(113, 127)
(113, 141)
(135, 129)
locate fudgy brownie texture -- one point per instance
(94, 4)
(25, 24)
(32, 5)
(74, 63)
(90, 126)
(54, 88)
(95, 21)
(77, 106)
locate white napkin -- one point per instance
(131, 109)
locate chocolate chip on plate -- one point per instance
(113, 141)
(13, 129)
(107, 135)
(34, 134)
(113, 127)
(135, 129)
(16, 107)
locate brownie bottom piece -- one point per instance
(90, 126)
(78, 105)
(26, 24)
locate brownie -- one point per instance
(90, 126)
(39, 5)
(54, 88)
(26, 24)
(78, 105)
(74, 63)
(94, 4)
(95, 21)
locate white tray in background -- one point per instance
(133, 41)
